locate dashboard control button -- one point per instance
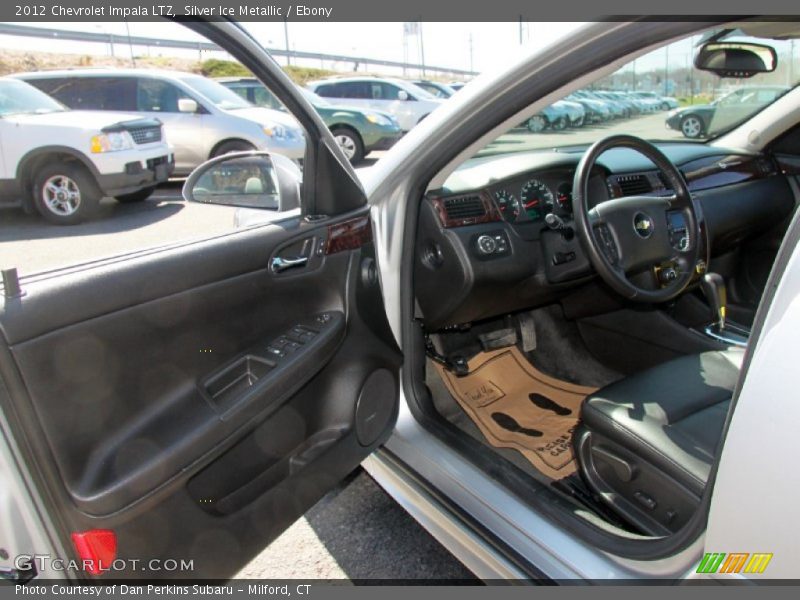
(486, 244)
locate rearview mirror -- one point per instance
(402, 95)
(246, 179)
(736, 59)
(187, 105)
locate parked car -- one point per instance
(202, 118)
(663, 102)
(358, 131)
(557, 116)
(407, 103)
(596, 111)
(619, 110)
(434, 88)
(629, 106)
(61, 162)
(700, 120)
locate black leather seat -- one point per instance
(646, 444)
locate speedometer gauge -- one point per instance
(508, 205)
(537, 199)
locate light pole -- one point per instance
(470, 53)
(286, 38)
(421, 48)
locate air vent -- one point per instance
(634, 185)
(465, 207)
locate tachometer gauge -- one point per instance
(564, 196)
(508, 205)
(537, 199)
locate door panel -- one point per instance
(194, 399)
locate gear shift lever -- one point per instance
(713, 286)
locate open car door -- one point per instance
(194, 399)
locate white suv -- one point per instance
(63, 162)
(406, 102)
(202, 118)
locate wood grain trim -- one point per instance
(491, 213)
(348, 235)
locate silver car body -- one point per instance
(195, 136)
(408, 113)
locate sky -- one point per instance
(445, 44)
(468, 46)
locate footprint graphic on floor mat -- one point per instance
(546, 404)
(509, 423)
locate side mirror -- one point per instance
(187, 105)
(246, 179)
(402, 95)
(736, 59)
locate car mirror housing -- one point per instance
(187, 105)
(736, 59)
(403, 95)
(246, 179)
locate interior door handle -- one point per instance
(281, 263)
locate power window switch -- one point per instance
(275, 352)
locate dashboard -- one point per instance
(485, 236)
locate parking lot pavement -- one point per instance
(32, 245)
(356, 532)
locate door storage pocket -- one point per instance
(227, 387)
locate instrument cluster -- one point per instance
(530, 200)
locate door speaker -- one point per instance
(375, 406)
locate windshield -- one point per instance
(20, 98)
(217, 93)
(660, 97)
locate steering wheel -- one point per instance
(626, 236)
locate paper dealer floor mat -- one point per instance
(516, 406)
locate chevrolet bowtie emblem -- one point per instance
(643, 225)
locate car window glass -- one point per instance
(732, 98)
(155, 95)
(92, 93)
(661, 96)
(17, 97)
(241, 91)
(328, 90)
(384, 91)
(263, 97)
(354, 89)
(124, 195)
(762, 96)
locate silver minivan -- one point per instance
(202, 118)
